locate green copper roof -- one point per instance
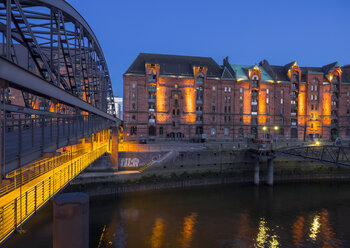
(242, 72)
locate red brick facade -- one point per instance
(179, 97)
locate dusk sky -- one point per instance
(313, 32)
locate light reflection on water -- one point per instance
(224, 217)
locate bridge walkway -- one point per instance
(22, 200)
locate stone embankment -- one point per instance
(179, 169)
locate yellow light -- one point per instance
(264, 128)
(315, 227)
(318, 143)
(276, 128)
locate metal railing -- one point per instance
(30, 197)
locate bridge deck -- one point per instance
(20, 203)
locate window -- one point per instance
(240, 132)
(229, 89)
(178, 112)
(173, 123)
(281, 131)
(133, 130)
(133, 85)
(267, 91)
(225, 109)
(315, 107)
(267, 100)
(241, 110)
(282, 92)
(133, 96)
(213, 132)
(229, 109)
(213, 118)
(240, 99)
(176, 102)
(229, 99)
(312, 88)
(160, 130)
(226, 131)
(173, 111)
(312, 107)
(213, 108)
(176, 86)
(133, 117)
(213, 99)
(213, 88)
(225, 99)
(281, 100)
(133, 106)
(315, 87)
(225, 89)
(225, 118)
(312, 97)
(241, 120)
(241, 90)
(315, 97)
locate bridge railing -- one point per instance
(25, 174)
(30, 199)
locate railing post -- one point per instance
(35, 198)
(15, 213)
(42, 135)
(58, 132)
(19, 142)
(32, 131)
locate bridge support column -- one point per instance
(270, 172)
(71, 220)
(256, 172)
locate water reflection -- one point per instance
(188, 230)
(157, 233)
(225, 217)
(315, 226)
(297, 230)
(264, 237)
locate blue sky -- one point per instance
(313, 32)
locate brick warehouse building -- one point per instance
(185, 97)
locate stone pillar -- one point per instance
(270, 172)
(71, 220)
(256, 172)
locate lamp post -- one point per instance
(276, 128)
(264, 128)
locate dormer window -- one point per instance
(200, 79)
(255, 82)
(295, 77)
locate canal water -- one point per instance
(287, 215)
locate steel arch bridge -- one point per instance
(55, 91)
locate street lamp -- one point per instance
(276, 128)
(264, 128)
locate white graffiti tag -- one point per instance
(129, 162)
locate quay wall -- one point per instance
(200, 168)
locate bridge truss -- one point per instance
(327, 153)
(55, 86)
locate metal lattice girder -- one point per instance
(327, 153)
(59, 46)
(26, 81)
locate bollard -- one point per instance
(270, 172)
(71, 221)
(256, 173)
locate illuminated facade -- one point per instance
(183, 97)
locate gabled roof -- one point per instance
(242, 72)
(174, 64)
(226, 74)
(330, 67)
